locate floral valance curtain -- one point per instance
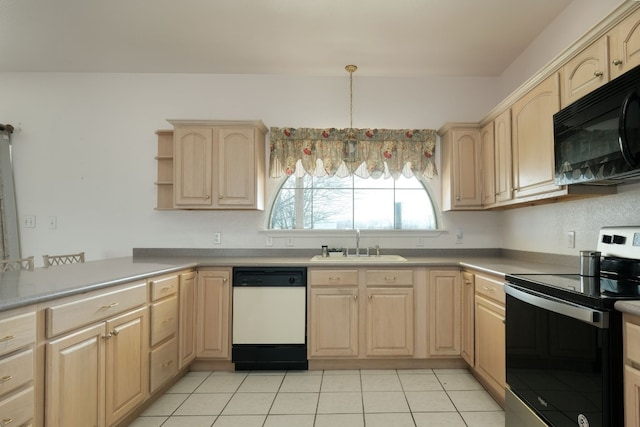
(343, 152)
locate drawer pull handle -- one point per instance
(598, 73)
(107, 307)
(616, 62)
(166, 289)
(7, 338)
(5, 379)
(334, 279)
(488, 289)
(168, 320)
(167, 364)
(390, 278)
(6, 422)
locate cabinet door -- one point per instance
(631, 396)
(333, 322)
(624, 45)
(461, 162)
(467, 327)
(214, 298)
(238, 168)
(444, 313)
(585, 72)
(75, 379)
(193, 157)
(503, 165)
(390, 321)
(533, 161)
(127, 366)
(490, 344)
(487, 148)
(187, 324)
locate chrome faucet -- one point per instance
(357, 242)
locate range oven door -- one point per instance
(562, 361)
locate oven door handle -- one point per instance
(584, 314)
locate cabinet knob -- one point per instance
(467, 282)
(617, 62)
(220, 197)
(207, 197)
(598, 73)
(108, 336)
(355, 297)
(114, 332)
(457, 197)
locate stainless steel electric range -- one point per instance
(564, 339)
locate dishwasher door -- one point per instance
(269, 319)
(269, 315)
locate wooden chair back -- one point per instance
(17, 264)
(53, 260)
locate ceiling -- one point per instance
(294, 37)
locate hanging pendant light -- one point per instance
(350, 141)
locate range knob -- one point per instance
(619, 240)
(606, 239)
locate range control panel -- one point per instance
(620, 241)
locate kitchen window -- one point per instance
(334, 203)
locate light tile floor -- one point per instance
(357, 398)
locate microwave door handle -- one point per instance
(625, 149)
(596, 318)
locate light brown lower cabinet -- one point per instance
(97, 374)
(631, 370)
(214, 313)
(188, 297)
(444, 312)
(467, 327)
(490, 313)
(333, 322)
(390, 321)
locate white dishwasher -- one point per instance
(269, 329)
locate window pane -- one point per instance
(283, 213)
(373, 209)
(372, 183)
(414, 210)
(330, 209)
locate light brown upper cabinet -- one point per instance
(585, 72)
(461, 163)
(219, 165)
(532, 139)
(624, 45)
(503, 165)
(487, 151)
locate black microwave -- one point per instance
(597, 138)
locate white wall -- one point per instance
(86, 145)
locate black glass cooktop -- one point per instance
(599, 292)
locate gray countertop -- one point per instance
(23, 288)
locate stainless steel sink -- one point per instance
(359, 259)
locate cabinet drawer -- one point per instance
(16, 371)
(17, 332)
(333, 277)
(164, 363)
(490, 288)
(68, 316)
(632, 343)
(389, 277)
(164, 319)
(163, 287)
(17, 409)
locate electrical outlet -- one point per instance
(217, 237)
(29, 221)
(571, 239)
(53, 222)
(459, 237)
